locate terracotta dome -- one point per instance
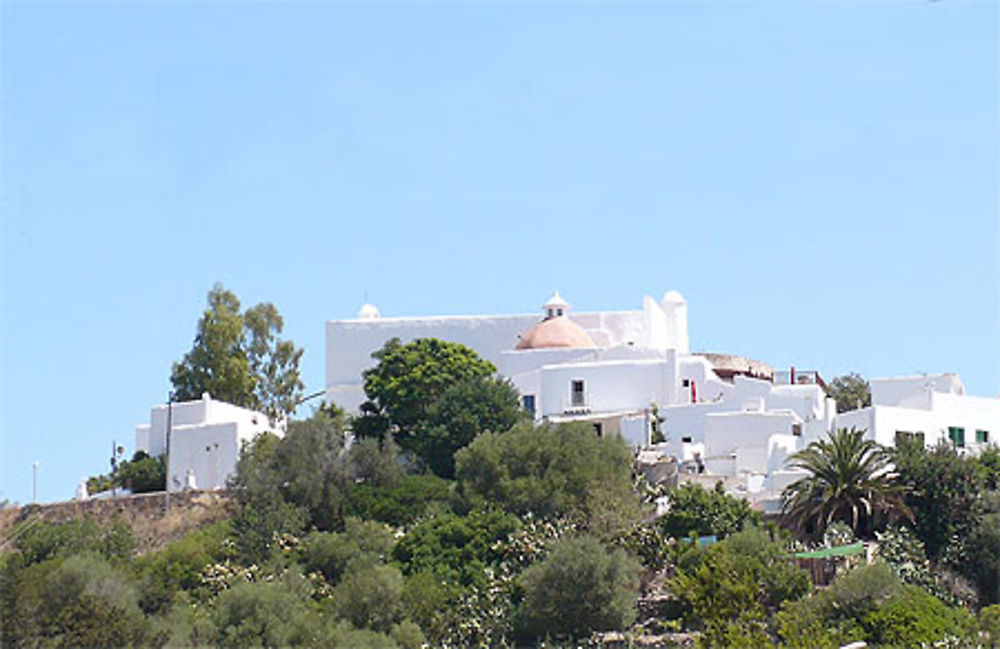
(555, 332)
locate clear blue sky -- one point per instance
(819, 179)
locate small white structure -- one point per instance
(205, 440)
(930, 407)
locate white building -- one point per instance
(931, 407)
(205, 440)
(723, 416)
(621, 371)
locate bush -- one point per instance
(178, 566)
(455, 548)
(581, 587)
(913, 618)
(331, 553)
(40, 540)
(696, 510)
(871, 604)
(370, 596)
(548, 470)
(81, 600)
(402, 503)
(740, 581)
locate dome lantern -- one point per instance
(556, 306)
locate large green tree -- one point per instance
(848, 480)
(435, 397)
(239, 358)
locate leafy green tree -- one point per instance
(982, 565)
(851, 391)
(238, 358)
(848, 481)
(143, 473)
(465, 410)
(76, 601)
(264, 513)
(581, 587)
(943, 487)
(731, 589)
(548, 470)
(407, 380)
(696, 510)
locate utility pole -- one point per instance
(34, 481)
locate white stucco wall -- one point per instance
(943, 410)
(205, 436)
(609, 386)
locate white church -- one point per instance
(724, 417)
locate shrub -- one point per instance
(581, 587)
(696, 510)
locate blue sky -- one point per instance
(819, 179)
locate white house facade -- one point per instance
(930, 407)
(205, 440)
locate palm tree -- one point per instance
(850, 479)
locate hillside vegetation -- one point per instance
(507, 533)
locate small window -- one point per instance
(686, 440)
(599, 429)
(957, 436)
(797, 430)
(982, 437)
(686, 383)
(577, 393)
(528, 403)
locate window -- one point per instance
(599, 429)
(957, 436)
(576, 397)
(528, 403)
(982, 437)
(686, 383)
(797, 430)
(686, 440)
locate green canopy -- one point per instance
(829, 553)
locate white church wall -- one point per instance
(350, 343)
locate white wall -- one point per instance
(609, 386)
(205, 436)
(210, 450)
(945, 410)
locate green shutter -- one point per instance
(957, 436)
(982, 436)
